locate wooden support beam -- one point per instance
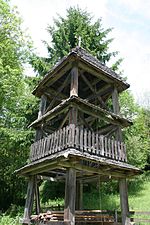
(51, 91)
(122, 183)
(73, 115)
(103, 170)
(116, 109)
(84, 121)
(101, 91)
(85, 107)
(50, 96)
(106, 129)
(93, 178)
(43, 169)
(111, 132)
(59, 90)
(42, 108)
(53, 113)
(39, 167)
(52, 77)
(64, 120)
(115, 101)
(90, 69)
(70, 194)
(124, 201)
(97, 80)
(59, 73)
(37, 197)
(32, 183)
(93, 90)
(79, 195)
(97, 113)
(74, 81)
(29, 200)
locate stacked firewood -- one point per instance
(81, 216)
(45, 217)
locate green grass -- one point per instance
(141, 201)
(139, 197)
(7, 220)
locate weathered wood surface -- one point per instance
(70, 195)
(81, 216)
(29, 200)
(124, 200)
(98, 216)
(95, 216)
(83, 106)
(81, 139)
(74, 81)
(87, 63)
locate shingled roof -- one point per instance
(82, 55)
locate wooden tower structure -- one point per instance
(78, 132)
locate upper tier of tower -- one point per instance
(94, 78)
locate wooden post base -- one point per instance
(70, 194)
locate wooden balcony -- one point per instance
(80, 139)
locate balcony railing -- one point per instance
(80, 139)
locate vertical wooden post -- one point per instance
(122, 182)
(116, 110)
(79, 195)
(70, 194)
(124, 201)
(29, 200)
(74, 81)
(32, 183)
(38, 136)
(73, 120)
(42, 106)
(42, 109)
(37, 197)
(115, 101)
(74, 92)
(73, 115)
(70, 186)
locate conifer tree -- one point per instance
(65, 34)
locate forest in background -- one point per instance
(18, 107)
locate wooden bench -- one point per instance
(138, 217)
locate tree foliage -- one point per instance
(136, 136)
(65, 33)
(15, 104)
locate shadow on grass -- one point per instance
(136, 185)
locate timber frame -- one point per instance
(78, 133)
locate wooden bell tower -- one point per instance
(78, 132)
